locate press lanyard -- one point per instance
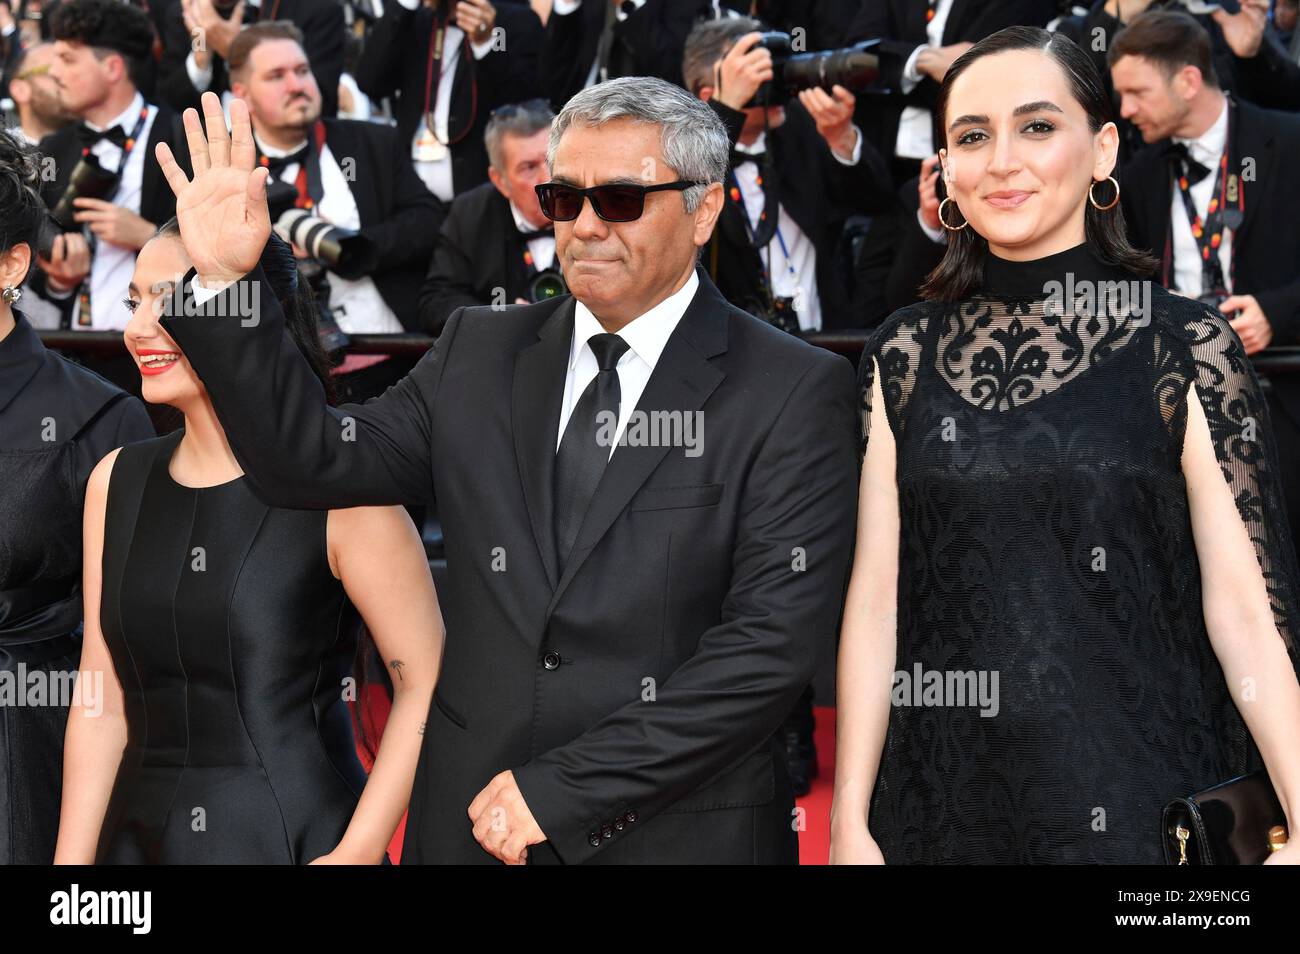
(432, 81)
(1208, 233)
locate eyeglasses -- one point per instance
(616, 202)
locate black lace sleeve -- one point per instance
(893, 351)
(1238, 418)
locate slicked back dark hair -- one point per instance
(962, 269)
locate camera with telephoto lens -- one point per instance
(547, 284)
(88, 180)
(347, 253)
(854, 67)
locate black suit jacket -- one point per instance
(709, 584)
(321, 22)
(650, 42)
(819, 193)
(398, 212)
(900, 25)
(395, 63)
(478, 250)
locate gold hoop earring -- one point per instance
(11, 294)
(950, 228)
(1093, 200)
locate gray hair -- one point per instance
(691, 136)
(708, 43)
(517, 119)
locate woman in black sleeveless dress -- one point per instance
(228, 633)
(1075, 589)
(56, 421)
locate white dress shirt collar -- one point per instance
(271, 152)
(1208, 147)
(646, 335)
(521, 223)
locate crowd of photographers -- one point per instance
(404, 139)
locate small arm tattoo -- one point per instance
(396, 666)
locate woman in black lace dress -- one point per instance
(1074, 593)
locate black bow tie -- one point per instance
(88, 137)
(737, 157)
(1194, 170)
(540, 233)
(277, 164)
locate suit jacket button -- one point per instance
(594, 840)
(620, 823)
(630, 816)
(607, 831)
(551, 660)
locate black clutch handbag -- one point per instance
(1237, 822)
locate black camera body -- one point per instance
(547, 284)
(854, 67)
(343, 251)
(88, 180)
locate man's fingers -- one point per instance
(195, 139)
(257, 189)
(171, 169)
(214, 120)
(243, 152)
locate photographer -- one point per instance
(356, 176)
(105, 177)
(798, 170)
(197, 35)
(449, 63)
(496, 246)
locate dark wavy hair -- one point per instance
(21, 208)
(106, 26)
(962, 269)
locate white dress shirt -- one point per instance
(542, 248)
(646, 336)
(437, 174)
(111, 266)
(792, 269)
(1207, 149)
(915, 125)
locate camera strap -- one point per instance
(1220, 214)
(308, 182)
(433, 79)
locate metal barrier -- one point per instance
(1274, 361)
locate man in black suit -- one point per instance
(197, 35)
(920, 40)
(450, 63)
(355, 175)
(801, 168)
(624, 633)
(1203, 146)
(496, 241)
(588, 41)
(99, 46)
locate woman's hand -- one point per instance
(1288, 854)
(852, 844)
(346, 855)
(225, 222)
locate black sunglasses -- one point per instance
(616, 202)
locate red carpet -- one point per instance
(814, 839)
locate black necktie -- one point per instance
(585, 449)
(1194, 171)
(88, 137)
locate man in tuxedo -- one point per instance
(1205, 147)
(450, 63)
(98, 48)
(589, 41)
(496, 241)
(631, 611)
(197, 35)
(355, 175)
(920, 39)
(798, 170)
